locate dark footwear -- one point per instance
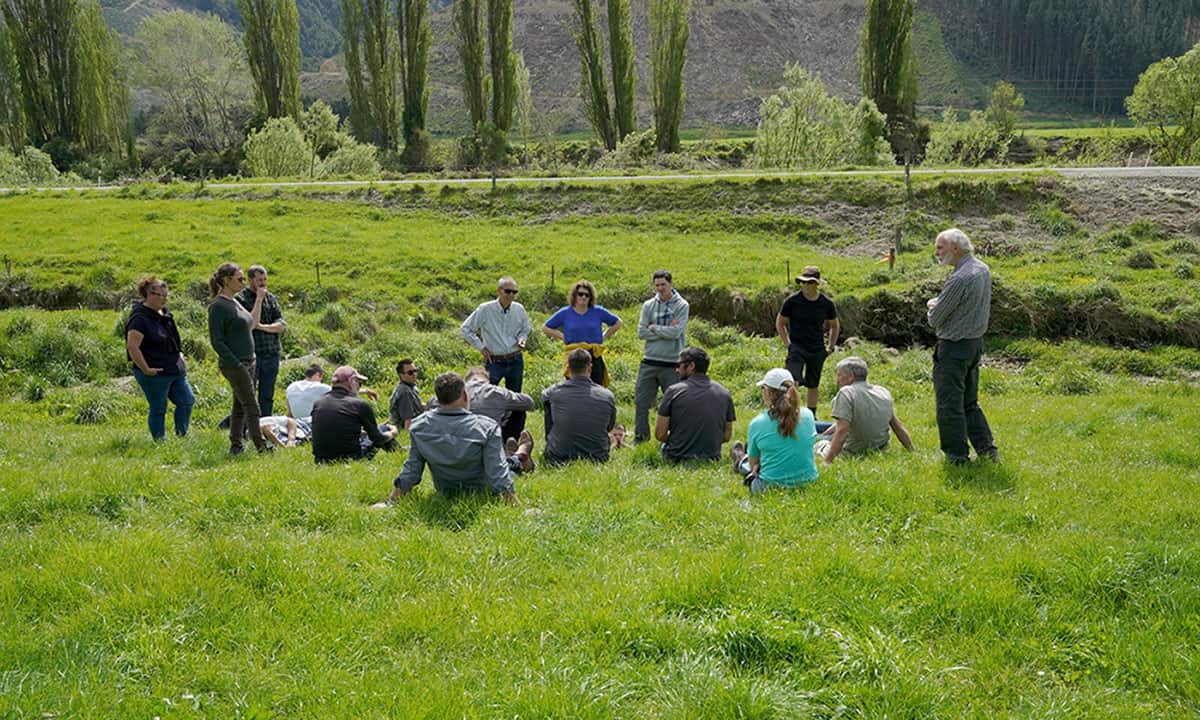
(237, 449)
(956, 461)
(526, 445)
(737, 452)
(266, 449)
(993, 455)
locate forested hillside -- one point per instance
(1064, 55)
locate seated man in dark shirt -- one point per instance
(578, 414)
(696, 415)
(340, 418)
(463, 450)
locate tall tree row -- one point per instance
(12, 119)
(503, 63)
(271, 32)
(1088, 50)
(64, 64)
(369, 43)
(612, 126)
(888, 69)
(670, 28)
(471, 43)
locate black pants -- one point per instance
(956, 386)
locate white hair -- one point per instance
(505, 279)
(957, 238)
(854, 365)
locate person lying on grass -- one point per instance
(464, 451)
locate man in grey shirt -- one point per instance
(578, 414)
(499, 329)
(696, 415)
(405, 402)
(865, 413)
(959, 316)
(663, 325)
(463, 450)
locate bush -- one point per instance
(31, 167)
(969, 143)
(354, 160)
(278, 150)
(1141, 260)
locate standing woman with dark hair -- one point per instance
(581, 325)
(229, 329)
(152, 345)
(779, 449)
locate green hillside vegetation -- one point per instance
(170, 580)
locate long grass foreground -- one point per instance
(172, 581)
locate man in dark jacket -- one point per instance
(341, 418)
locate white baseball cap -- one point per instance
(776, 378)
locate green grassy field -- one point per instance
(143, 580)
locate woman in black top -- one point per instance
(229, 330)
(152, 344)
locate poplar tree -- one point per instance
(504, 71)
(888, 70)
(624, 72)
(12, 121)
(412, 22)
(271, 33)
(65, 65)
(669, 32)
(469, 39)
(593, 85)
(369, 41)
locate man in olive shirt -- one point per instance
(340, 418)
(267, 331)
(405, 402)
(578, 414)
(865, 413)
(696, 415)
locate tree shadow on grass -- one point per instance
(981, 476)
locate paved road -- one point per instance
(1093, 172)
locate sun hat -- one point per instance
(811, 273)
(345, 372)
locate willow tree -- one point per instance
(369, 43)
(624, 72)
(592, 83)
(471, 43)
(412, 24)
(271, 33)
(65, 64)
(888, 69)
(669, 32)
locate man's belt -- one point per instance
(509, 356)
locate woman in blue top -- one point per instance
(153, 346)
(581, 324)
(779, 449)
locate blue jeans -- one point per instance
(158, 390)
(512, 372)
(266, 370)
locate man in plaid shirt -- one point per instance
(266, 335)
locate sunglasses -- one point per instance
(506, 291)
(583, 293)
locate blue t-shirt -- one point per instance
(585, 328)
(786, 461)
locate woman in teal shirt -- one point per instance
(779, 449)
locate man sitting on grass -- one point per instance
(343, 424)
(464, 451)
(864, 414)
(579, 414)
(696, 414)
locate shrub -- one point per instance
(1146, 231)
(1183, 246)
(1051, 218)
(970, 143)
(1185, 271)
(353, 159)
(1141, 260)
(278, 150)
(30, 167)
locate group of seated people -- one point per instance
(458, 437)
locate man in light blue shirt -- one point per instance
(499, 329)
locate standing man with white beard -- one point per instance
(959, 315)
